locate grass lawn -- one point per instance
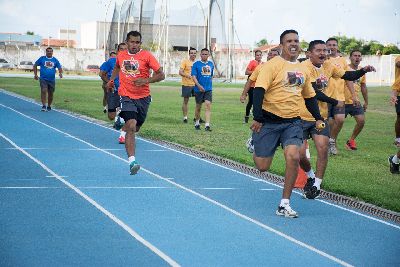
(362, 174)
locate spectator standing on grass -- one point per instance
(113, 99)
(48, 65)
(202, 74)
(187, 82)
(133, 67)
(395, 100)
(281, 84)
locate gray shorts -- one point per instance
(398, 105)
(272, 135)
(203, 96)
(113, 101)
(47, 86)
(333, 110)
(354, 110)
(135, 109)
(309, 129)
(187, 91)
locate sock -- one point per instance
(317, 183)
(310, 173)
(332, 140)
(397, 139)
(197, 122)
(131, 159)
(122, 133)
(116, 118)
(207, 124)
(284, 202)
(185, 118)
(395, 159)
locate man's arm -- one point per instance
(60, 72)
(158, 75)
(35, 76)
(245, 90)
(182, 73)
(110, 83)
(354, 75)
(350, 87)
(248, 72)
(364, 92)
(103, 76)
(198, 85)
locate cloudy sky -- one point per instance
(254, 19)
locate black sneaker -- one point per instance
(184, 120)
(207, 128)
(310, 191)
(394, 168)
(197, 127)
(43, 108)
(246, 119)
(48, 108)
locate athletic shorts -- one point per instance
(187, 91)
(398, 106)
(203, 96)
(113, 101)
(309, 129)
(135, 109)
(272, 135)
(47, 86)
(333, 110)
(353, 110)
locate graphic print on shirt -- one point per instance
(130, 67)
(49, 64)
(294, 79)
(321, 82)
(206, 70)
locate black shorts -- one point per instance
(113, 101)
(187, 91)
(333, 110)
(203, 96)
(135, 109)
(354, 110)
(398, 106)
(47, 86)
(309, 129)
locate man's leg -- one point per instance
(335, 129)
(292, 159)
(185, 108)
(262, 163)
(43, 92)
(397, 130)
(207, 114)
(197, 116)
(360, 122)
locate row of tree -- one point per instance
(346, 45)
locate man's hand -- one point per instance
(36, 77)
(356, 102)
(243, 98)
(393, 100)
(369, 68)
(340, 104)
(319, 125)
(60, 75)
(141, 81)
(110, 85)
(256, 126)
(201, 89)
(365, 106)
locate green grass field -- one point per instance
(362, 174)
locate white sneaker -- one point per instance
(332, 148)
(286, 211)
(250, 145)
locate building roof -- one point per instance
(58, 43)
(12, 37)
(267, 47)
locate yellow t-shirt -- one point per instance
(336, 86)
(186, 66)
(357, 87)
(286, 84)
(396, 84)
(321, 77)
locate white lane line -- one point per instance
(50, 176)
(29, 187)
(98, 206)
(267, 189)
(266, 227)
(64, 149)
(156, 150)
(218, 188)
(87, 187)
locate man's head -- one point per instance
(272, 53)
(333, 46)
(49, 52)
(134, 41)
(192, 54)
(204, 54)
(113, 54)
(316, 52)
(121, 47)
(258, 55)
(289, 43)
(355, 57)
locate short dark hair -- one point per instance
(190, 49)
(258, 50)
(275, 49)
(205, 49)
(333, 39)
(112, 52)
(355, 50)
(134, 34)
(312, 44)
(286, 32)
(49, 48)
(119, 45)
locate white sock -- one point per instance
(332, 140)
(284, 202)
(116, 118)
(310, 173)
(395, 159)
(185, 118)
(397, 139)
(131, 159)
(197, 122)
(317, 183)
(207, 124)
(122, 133)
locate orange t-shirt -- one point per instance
(134, 66)
(251, 67)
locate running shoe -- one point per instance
(197, 127)
(134, 167)
(286, 211)
(207, 128)
(351, 144)
(121, 139)
(394, 168)
(48, 108)
(119, 123)
(43, 108)
(250, 145)
(332, 148)
(185, 120)
(246, 119)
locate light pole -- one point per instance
(104, 25)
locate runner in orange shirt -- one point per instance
(133, 67)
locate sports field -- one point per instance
(362, 174)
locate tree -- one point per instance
(262, 42)
(30, 33)
(304, 45)
(390, 49)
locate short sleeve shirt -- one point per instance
(108, 67)
(48, 67)
(336, 86)
(396, 84)
(251, 67)
(357, 87)
(204, 72)
(186, 66)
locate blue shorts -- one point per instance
(333, 110)
(272, 135)
(354, 110)
(309, 129)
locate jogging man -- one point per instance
(395, 100)
(104, 85)
(187, 83)
(113, 99)
(353, 106)
(133, 66)
(48, 65)
(202, 74)
(249, 70)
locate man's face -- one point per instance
(332, 46)
(272, 54)
(317, 55)
(134, 44)
(49, 52)
(258, 56)
(356, 58)
(122, 48)
(290, 46)
(204, 55)
(192, 54)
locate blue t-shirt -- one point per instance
(108, 67)
(204, 73)
(48, 68)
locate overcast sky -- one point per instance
(254, 19)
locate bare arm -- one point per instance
(157, 76)
(35, 72)
(103, 76)
(364, 92)
(110, 83)
(245, 90)
(350, 86)
(248, 72)
(196, 82)
(60, 72)
(182, 73)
